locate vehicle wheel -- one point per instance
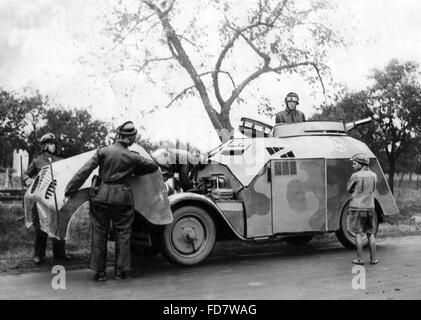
(190, 238)
(298, 240)
(345, 236)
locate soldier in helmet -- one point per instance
(362, 185)
(48, 154)
(290, 114)
(113, 199)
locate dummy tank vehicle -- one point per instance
(284, 182)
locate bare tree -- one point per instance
(284, 36)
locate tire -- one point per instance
(298, 240)
(346, 237)
(190, 238)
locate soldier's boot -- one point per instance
(120, 275)
(100, 276)
(40, 246)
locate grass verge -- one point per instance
(16, 241)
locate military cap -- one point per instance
(361, 158)
(47, 138)
(127, 129)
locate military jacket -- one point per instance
(290, 116)
(116, 162)
(39, 162)
(362, 185)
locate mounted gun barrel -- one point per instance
(351, 125)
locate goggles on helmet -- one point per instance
(291, 99)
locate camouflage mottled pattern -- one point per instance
(258, 206)
(300, 202)
(255, 155)
(298, 196)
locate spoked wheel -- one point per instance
(298, 240)
(190, 238)
(347, 237)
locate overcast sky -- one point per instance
(38, 49)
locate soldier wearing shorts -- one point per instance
(362, 185)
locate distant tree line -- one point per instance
(393, 101)
(23, 120)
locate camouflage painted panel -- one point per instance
(298, 195)
(257, 202)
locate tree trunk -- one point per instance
(417, 181)
(180, 54)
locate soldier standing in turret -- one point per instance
(290, 114)
(48, 154)
(362, 185)
(113, 199)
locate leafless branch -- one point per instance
(178, 96)
(140, 67)
(276, 13)
(220, 71)
(188, 40)
(222, 55)
(121, 40)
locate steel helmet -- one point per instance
(127, 129)
(47, 138)
(361, 158)
(292, 96)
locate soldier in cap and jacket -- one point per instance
(362, 185)
(113, 199)
(290, 114)
(48, 154)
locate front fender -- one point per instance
(190, 198)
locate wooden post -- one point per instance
(21, 182)
(6, 179)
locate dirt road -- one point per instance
(309, 272)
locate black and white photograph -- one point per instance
(210, 154)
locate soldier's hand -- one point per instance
(28, 182)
